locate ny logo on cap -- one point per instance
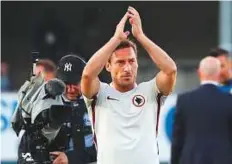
(68, 67)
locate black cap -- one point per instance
(70, 68)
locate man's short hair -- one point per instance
(49, 65)
(127, 44)
(216, 52)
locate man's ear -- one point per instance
(199, 73)
(108, 66)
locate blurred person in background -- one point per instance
(231, 64)
(5, 81)
(125, 115)
(225, 73)
(80, 148)
(202, 129)
(45, 70)
(70, 141)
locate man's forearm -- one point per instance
(159, 56)
(97, 62)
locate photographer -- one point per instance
(80, 148)
(35, 119)
(43, 70)
(57, 122)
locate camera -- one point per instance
(38, 143)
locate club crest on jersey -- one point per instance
(138, 100)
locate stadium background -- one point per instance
(186, 30)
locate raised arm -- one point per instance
(166, 78)
(90, 83)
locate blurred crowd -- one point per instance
(5, 80)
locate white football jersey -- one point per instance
(125, 124)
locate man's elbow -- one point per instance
(172, 69)
(85, 82)
(89, 85)
(86, 75)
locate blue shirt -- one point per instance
(227, 87)
(80, 148)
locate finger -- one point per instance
(131, 20)
(130, 11)
(131, 15)
(54, 162)
(127, 33)
(55, 153)
(123, 20)
(133, 10)
(57, 160)
(64, 162)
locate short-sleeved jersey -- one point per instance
(125, 124)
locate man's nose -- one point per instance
(127, 67)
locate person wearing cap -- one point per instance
(80, 148)
(69, 141)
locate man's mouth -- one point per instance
(126, 76)
(72, 95)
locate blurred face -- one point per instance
(123, 67)
(225, 73)
(39, 70)
(72, 91)
(4, 68)
(49, 76)
(231, 66)
(46, 75)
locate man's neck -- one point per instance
(123, 88)
(214, 82)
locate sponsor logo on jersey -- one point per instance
(111, 98)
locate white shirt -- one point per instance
(125, 124)
(209, 82)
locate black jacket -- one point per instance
(80, 148)
(75, 138)
(202, 131)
